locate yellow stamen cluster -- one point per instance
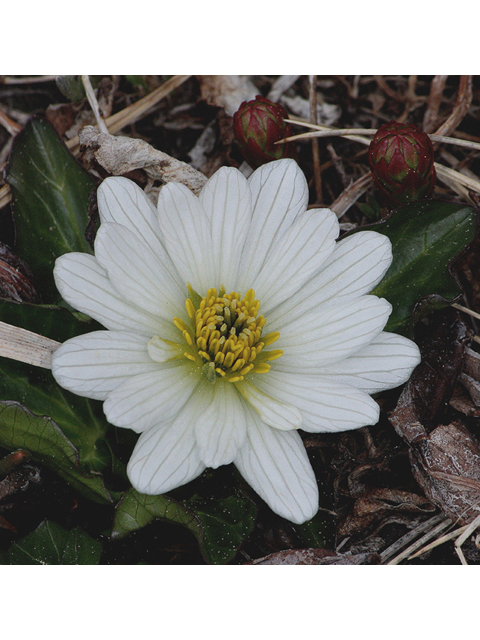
(225, 338)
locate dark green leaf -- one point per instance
(50, 201)
(57, 323)
(52, 544)
(135, 510)
(371, 209)
(226, 522)
(71, 87)
(426, 236)
(220, 525)
(81, 421)
(47, 444)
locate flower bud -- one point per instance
(257, 125)
(401, 160)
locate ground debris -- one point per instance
(317, 556)
(119, 155)
(445, 458)
(378, 504)
(227, 92)
(16, 280)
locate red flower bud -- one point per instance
(257, 125)
(401, 160)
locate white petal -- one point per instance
(160, 350)
(325, 405)
(137, 273)
(122, 201)
(356, 266)
(96, 363)
(166, 458)
(151, 398)
(221, 426)
(387, 362)
(186, 230)
(276, 465)
(272, 411)
(227, 203)
(84, 284)
(331, 334)
(298, 254)
(279, 193)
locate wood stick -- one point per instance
(26, 346)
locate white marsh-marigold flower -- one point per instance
(233, 320)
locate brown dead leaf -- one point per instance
(15, 278)
(317, 556)
(445, 458)
(5, 524)
(18, 480)
(119, 155)
(62, 116)
(447, 466)
(469, 380)
(375, 504)
(462, 402)
(227, 92)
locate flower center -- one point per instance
(225, 337)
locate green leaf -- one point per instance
(138, 81)
(226, 522)
(220, 525)
(71, 87)
(135, 510)
(50, 201)
(47, 444)
(371, 209)
(81, 420)
(52, 544)
(426, 236)
(51, 321)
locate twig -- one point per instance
(434, 100)
(351, 194)
(381, 82)
(466, 310)
(26, 346)
(324, 131)
(408, 537)
(281, 84)
(438, 542)
(446, 522)
(451, 174)
(469, 529)
(464, 100)
(317, 175)
(25, 79)
(356, 134)
(135, 111)
(94, 104)
(117, 121)
(10, 125)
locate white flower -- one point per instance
(187, 361)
